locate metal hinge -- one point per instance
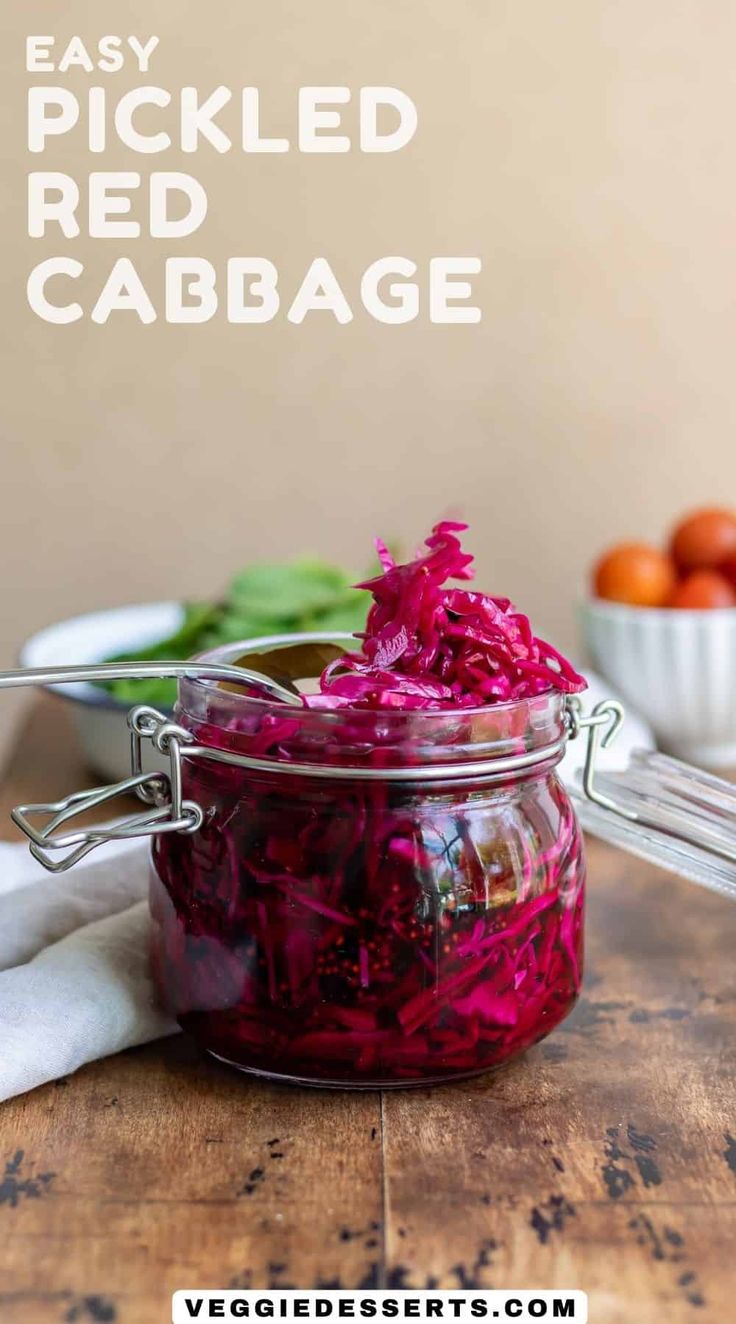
(161, 791)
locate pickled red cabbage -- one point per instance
(427, 645)
(365, 934)
(340, 930)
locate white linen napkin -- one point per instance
(75, 983)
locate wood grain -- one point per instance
(604, 1160)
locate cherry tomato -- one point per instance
(635, 573)
(703, 589)
(704, 539)
(728, 569)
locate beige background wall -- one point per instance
(583, 149)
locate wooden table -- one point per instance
(604, 1160)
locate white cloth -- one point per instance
(75, 983)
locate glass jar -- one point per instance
(378, 898)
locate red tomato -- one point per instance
(635, 573)
(703, 589)
(728, 568)
(704, 539)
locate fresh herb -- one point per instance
(261, 600)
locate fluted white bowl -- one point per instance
(678, 668)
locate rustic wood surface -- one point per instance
(604, 1160)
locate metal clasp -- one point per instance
(161, 791)
(602, 724)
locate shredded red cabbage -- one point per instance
(350, 931)
(429, 646)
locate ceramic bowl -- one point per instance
(677, 668)
(98, 718)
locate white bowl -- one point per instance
(98, 718)
(678, 668)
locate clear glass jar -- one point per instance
(407, 909)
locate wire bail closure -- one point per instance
(168, 811)
(602, 724)
(666, 811)
(161, 791)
